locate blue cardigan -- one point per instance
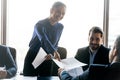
(46, 36)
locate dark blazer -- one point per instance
(101, 57)
(96, 72)
(7, 60)
(113, 72)
(105, 72)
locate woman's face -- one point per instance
(57, 13)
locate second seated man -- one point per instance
(96, 52)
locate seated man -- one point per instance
(95, 53)
(8, 67)
(98, 71)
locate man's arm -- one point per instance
(11, 66)
(64, 75)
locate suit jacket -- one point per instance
(101, 57)
(65, 76)
(7, 60)
(96, 72)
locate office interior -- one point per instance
(18, 18)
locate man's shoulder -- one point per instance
(82, 51)
(2, 47)
(113, 72)
(115, 65)
(83, 48)
(104, 48)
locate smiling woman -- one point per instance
(80, 16)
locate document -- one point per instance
(71, 65)
(76, 71)
(39, 58)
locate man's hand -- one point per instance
(3, 74)
(59, 71)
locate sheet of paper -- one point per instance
(76, 71)
(39, 58)
(69, 63)
(60, 64)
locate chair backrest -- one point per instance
(97, 71)
(113, 72)
(104, 72)
(63, 52)
(13, 53)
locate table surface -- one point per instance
(21, 77)
(48, 78)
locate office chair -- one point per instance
(13, 53)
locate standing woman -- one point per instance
(46, 34)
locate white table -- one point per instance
(21, 77)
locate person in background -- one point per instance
(99, 71)
(8, 68)
(95, 53)
(46, 35)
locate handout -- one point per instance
(39, 58)
(71, 65)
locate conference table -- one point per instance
(48, 78)
(21, 77)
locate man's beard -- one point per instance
(94, 46)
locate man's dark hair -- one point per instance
(96, 29)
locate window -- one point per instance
(80, 16)
(114, 21)
(0, 22)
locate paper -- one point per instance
(2, 68)
(69, 63)
(39, 58)
(76, 71)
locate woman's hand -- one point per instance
(48, 56)
(56, 56)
